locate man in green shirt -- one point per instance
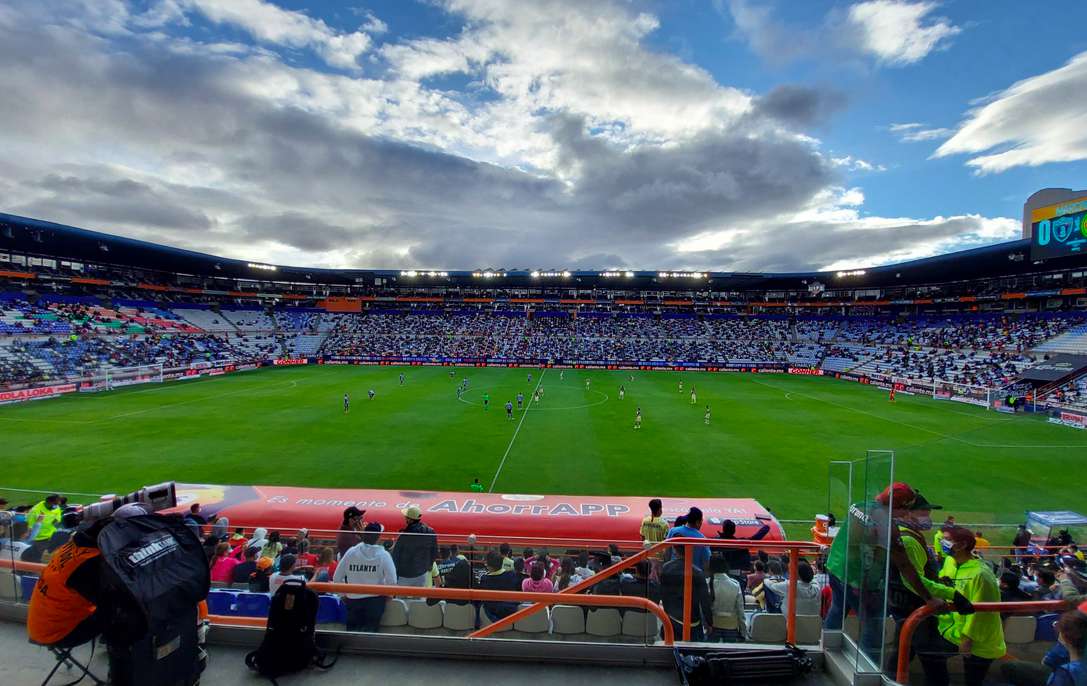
(50, 511)
(979, 636)
(475, 486)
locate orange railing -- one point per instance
(905, 636)
(792, 547)
(470, 594)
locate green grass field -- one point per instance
(771, 437)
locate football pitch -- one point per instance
(770, 437)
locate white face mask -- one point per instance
(922, 523)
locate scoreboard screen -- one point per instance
(1059, 230)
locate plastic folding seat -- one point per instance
(536, 623)
(603, 622)
(459, 617)
(809, 629)
(27, 584)
(329, 609)
(222, 602)
(768, 628)
(641, 625)
(1044, 629)
(423, 616)
(9, 586)
(396, 614)
(484, 620)
(567, 620)
(253, 604)
(1019, 629)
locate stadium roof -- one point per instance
(49, 239)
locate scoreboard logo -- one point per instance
(1059, 230)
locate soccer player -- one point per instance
(681, 385)
(530, 377)
(509, 409)
(622, 392)
(346, 403)
(452, 373)
(486, 401)
(520, 400)
(694, 398)
(401, 378)
(891, 396)
(562, 375)
(586, 384)
(475, 486)
(706, 417)
(536, 397)
(460, 391)
(638, 419)
(371, 393)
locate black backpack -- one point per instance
(289, 644)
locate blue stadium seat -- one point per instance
(222, 602)
(329, 610)
(28, 583)
(1044, 629)
(254, 604)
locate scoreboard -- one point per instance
(1059, 230)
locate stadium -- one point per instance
(281, 400)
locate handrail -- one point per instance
(905, 636)
(472, 594)
(793, 547)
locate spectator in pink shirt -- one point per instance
(223, 564)
(537, 582)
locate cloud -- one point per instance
(856, 164)
(271, 24)
(914, 132)
(896, 31)
(584, 148)
(1036, 121)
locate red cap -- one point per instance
(903, 495)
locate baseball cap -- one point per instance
(352, 512)
(898, 494)
(922, 503)
(373, 527)
(264, 563)
(412, 512)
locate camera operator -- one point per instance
(71, 604)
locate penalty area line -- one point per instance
(515, 432)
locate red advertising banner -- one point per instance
(606, 518)
(287, 362)
(805, 371)
(34, 393)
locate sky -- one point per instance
(725, 135)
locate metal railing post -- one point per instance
(688, 590)
(790, 619)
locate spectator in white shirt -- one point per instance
(366, 563)
(286, 571)
(808, 600)
(727, 599)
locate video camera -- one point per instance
(157, 498)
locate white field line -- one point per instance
(515, 432)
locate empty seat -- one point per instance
(9, 586)
(567, 619)
(643, 625)
(423, 616)
(768, 628)
(395, 615)
(329, 610)
(459, 617)
(809, 628)
(536, 623)
(253, 604)
(1019, 629)
(604, 622)
(222, 602)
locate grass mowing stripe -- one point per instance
(516, 431)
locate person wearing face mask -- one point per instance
(914, 518)
(978, 636)
(51, 513)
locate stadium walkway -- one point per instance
(22, 664)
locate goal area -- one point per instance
(118, 377)
(982, 396)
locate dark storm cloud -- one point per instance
(800, 106)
